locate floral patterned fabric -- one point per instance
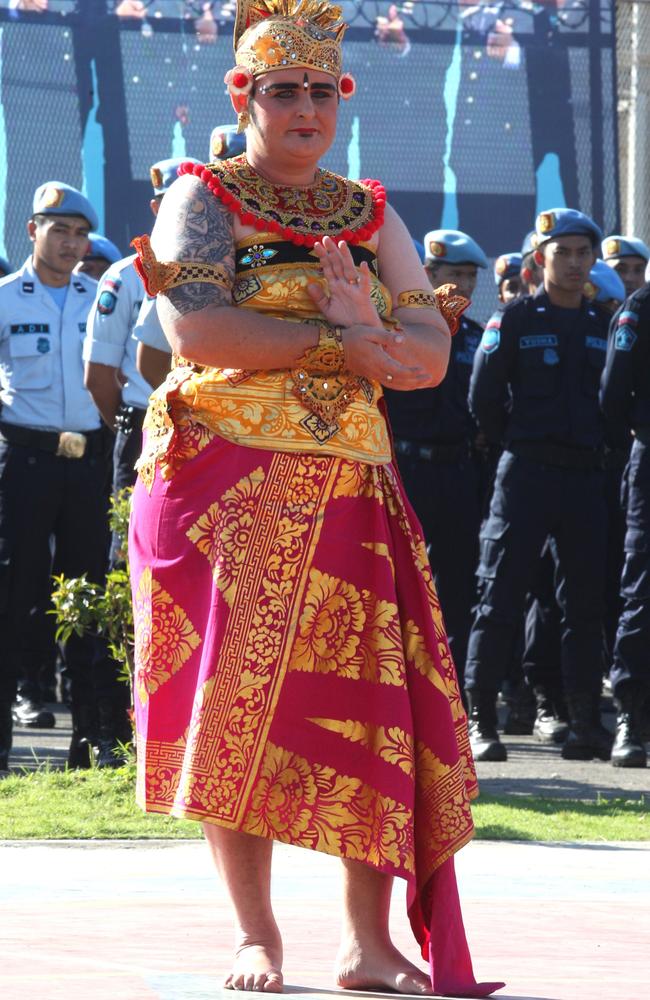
(293, 678)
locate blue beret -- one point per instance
(57, 198)
(528, 245)
(450, 246)
(604, 284)
(226, 141)
(5, 266)
(508, 265)
(624, 246)
(164, 172)
(420, 250)
(102, 247)
(565, 222)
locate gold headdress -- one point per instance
(277, 34)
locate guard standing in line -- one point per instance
(628, 256)
(507, 276)
(433, 436)
(101, 254)
(121, 395)
(625, 399)
(531, 273)
(52, 447)
(534, 388)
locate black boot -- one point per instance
(521, 712)
(549, 726)
(6, 723)
(114, 733)
(31, 714)
(81, 752)
(628, 749)
(483, 737)
(587, 737)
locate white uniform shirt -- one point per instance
(148, 329)
(41, 369)
(109, 338)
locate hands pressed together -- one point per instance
(370, 350)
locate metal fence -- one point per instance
(475, 116)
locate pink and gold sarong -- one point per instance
(293, 678)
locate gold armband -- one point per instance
(319, 379)
(417, 298)
(451, 306)
(159, 276)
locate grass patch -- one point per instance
(99, 804)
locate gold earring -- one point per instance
(243, 119)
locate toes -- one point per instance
(273, 982)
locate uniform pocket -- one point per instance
(31, 361)
(540, 372)
(492, 543)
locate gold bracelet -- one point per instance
(417, 298)
(160, 276)
(319, 379)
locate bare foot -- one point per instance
(379, 967)
(258, 968)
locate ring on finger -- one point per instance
(354, 281)
(389, 378)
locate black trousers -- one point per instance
(533, 502)
(52, 520)
(632, 646)
(126, 452)
(445, 497)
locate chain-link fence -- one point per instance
(475, 116)
(633, 91)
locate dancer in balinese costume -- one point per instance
(293, 679)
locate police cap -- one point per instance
(164, 172)
(529, 243)
(57, 198)
(100, 246)
(604, 284)
(624, 246)
(565, 222)
(508, 265)
(450, 246)
(225, 142)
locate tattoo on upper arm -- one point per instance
(194, 226)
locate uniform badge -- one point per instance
(52, 197)
(106, 303)
(217, 145)
(612, 248)
(156, 177)
(551, 357)
(43, 345)
(501, 265)
(491, 337)
(625, 339)
(545, 222)
(437, 249)
(590, 290)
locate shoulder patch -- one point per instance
(491, 336)
(625, 339)
(628, 318)
(106, 303)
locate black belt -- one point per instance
(557, 454)
(432, 452)
(128, 417)
(642, 434)
(53, 441)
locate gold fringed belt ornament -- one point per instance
(159, 276)
(320, 381)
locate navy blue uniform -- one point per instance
(625, 399)
(434, 431)
(534, 387)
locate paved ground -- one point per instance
(532, 768)
(150, 922)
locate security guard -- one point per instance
(434, 434)
(101, 254)
(534, 387)
(625, 399)
(507, 276)
(52, 447)
(628, 256)
(153, 350)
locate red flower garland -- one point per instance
(248, 218)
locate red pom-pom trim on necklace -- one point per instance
(248, 218)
